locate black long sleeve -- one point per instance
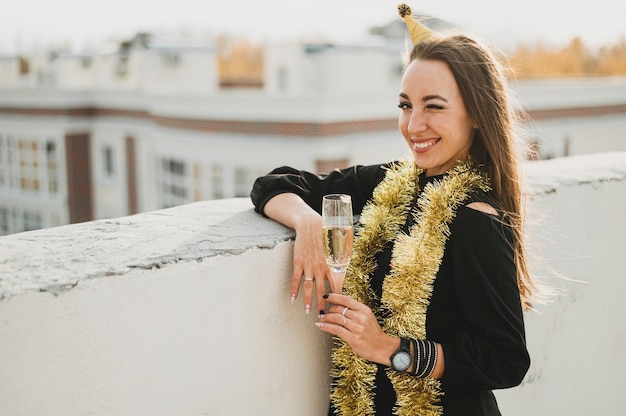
(358, 182)
(476, 311)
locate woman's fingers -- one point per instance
(355, 323)
(307, 281)
(340, 301)
(313, 289)
(309, 270)
(308, 286)
(344, 311)
(296, 281)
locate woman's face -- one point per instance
(433, 118)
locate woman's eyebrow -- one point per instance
(434, 97)
(426, 98)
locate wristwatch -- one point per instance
(401, 359)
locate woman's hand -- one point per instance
(309, 265)
(356, 324)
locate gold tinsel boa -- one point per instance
(408, 286)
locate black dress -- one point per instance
(475, 310)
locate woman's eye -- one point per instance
(404, 106)
(435, 107)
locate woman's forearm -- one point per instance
(290, 210)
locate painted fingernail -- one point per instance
(325, 296)
(307, 308)
(322, 312)
(293, 297)
(319, 325)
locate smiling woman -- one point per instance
(429, 318)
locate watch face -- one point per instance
(401, 361)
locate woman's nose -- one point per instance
(416, 122)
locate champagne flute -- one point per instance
(338, 234)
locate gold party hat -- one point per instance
(417, 31)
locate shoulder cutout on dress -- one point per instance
(483, 207)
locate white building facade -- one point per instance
(148, 126)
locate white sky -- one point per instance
(24, 23)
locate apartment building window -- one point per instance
(8, 162)
(3, 162)
(108, 162)
(217, 181)
(282, 76)
(55, 220)
(4, 220)
(244, 179)
(52, 167)
(24, 64)
(29, 165)
(197, 182)
(242, 187)
(171, 59)
(173, 183)
(32, 221)
(121, 66)
(12, 162)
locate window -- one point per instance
(12, 169)
(282, 77)
(121, 67)
(217, 180)
(29, 165)
(244, 179)
(197, 182)
(108, 163)
(52, 167)
(32, 221)
(173, 187)
(173, 166)
(4, 220)
(24, 64)
(171, 59)
(241, 181)
(3, 162)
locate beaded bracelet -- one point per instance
(424, 358)
(416, 355)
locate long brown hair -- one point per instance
(481, 81)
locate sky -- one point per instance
(28, 23)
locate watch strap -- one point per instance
(405, 345)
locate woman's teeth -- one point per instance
(424, 145)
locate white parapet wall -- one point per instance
(186, 311)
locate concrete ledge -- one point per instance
(547, 176)
(57, 259)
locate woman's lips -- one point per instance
(424, 145)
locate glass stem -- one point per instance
(337, 280)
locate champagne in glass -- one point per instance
(338, 233)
